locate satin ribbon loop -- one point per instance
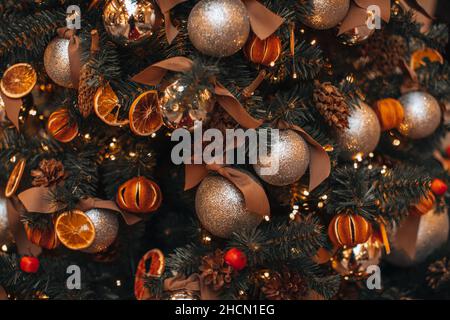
(74, 53)
(357, 14)
(165, 6)
(263, 21)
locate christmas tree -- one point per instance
(348, 98)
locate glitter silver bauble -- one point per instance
(220, 207)
(356, 35)
(106, 226)
(363, 133)
(182, 104)
(422, 115)
(5, 232)
(432, 233)
(56, 62)
(218, 28)
(130, 22)
(288, 159)
(326, 14)
(352, 263)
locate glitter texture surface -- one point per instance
(218, 28)
(106, 228)
(326, 14)
(363, 133)
(221, 209)
(130, 22)
(5, 234)
(292, 154)
(422, 115)
(432, 233)
(56, 62)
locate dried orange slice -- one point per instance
(151, 265)
(418, 57)
(18, 80)
(145, 116)
(108, 108)
(15, 177)
(75, 230)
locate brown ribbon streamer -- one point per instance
(12, 109)
(411, 81)
(406, 236)
(194, 282)
(263, 21)
(319, 164)
(38, 199)
(3, 294)
(153, 75)
(254, 195)
(418, 5)
(250, 89)
(24, 246)
(166, 6)
(74, 53)
(357, 14)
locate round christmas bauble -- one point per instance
(432, 232)
(349, 230)
(353, 263)
(439, 187)
(182, 104)
(139, 195)
(287, 161)
(220, 207)
(5, 233)
(106, 226)
(363, 133)
(236, 259)
(57, 63)
(356, 35)
(130, 22)
(218, 28)
(422, 115)
(29, 264)
(326, 14)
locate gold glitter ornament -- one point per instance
(291, 154)
(56, 62)
(353, 262)
(326, 14)
(218, 28)
(5, 233)
(425, 234)
(106, 226)
(182, 104)
(363, 133)
(422, 115)
(131, 22)
(220, 207)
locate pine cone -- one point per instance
(214, 270)
(438, 273)
(385, 53)
(285, 286)
(86, 90)
(331, 104)
(49, 173)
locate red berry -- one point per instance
(29, 264)
(447, 151)
(438, 187)
(236, 259)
